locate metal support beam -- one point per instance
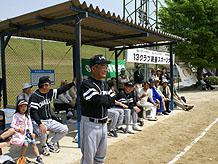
(6, 41)
(74, 61)
(78, 73)
(3, 45)
(171, 76)
(77, 38)
(116, 66)
(117, 54)
(116, 38)
(22, 28)
(143, 46)
(94, 15)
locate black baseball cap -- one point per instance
(22, 102)
(43, 80)
(151, 80)
(129, 84)
(98, 59)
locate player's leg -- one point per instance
(91, 134)
(102, 148)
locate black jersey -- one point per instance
(39, 103)
(128, 99)
(96, 97)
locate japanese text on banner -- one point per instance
(147, 56)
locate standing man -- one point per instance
(43, 118)
(96, 98)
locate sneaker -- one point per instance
(75, 139)
(141, 123)
(165, 113)
(112, 133)
(190, 107)
(135, 128)
(39, 160)
(159, 114)
(121, 129)
(152, 119)
(70, 114)
(71, 121)
(149, 116)
(45, 151)
(53, 148)
(129, 131)
(109, 120)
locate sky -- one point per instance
(13, 8)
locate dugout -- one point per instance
(77, 24)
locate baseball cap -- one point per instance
(151, 80)
(164, 81)
(22, 102)
(98, 59)
(129, 84)
(145, 81)
(43, 80)
(27, 85)
(156, 79)
(158, 69)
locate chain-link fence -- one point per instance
(23, 55)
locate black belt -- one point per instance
(99, 121)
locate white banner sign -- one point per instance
(186, 75)
(141, 55)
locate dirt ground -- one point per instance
(160, 141)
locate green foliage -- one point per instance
(213, 80)
(197, 22)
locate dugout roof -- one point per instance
(99, 28)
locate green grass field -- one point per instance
(22, 55)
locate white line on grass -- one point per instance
(187, 148)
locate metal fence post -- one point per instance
(42, 54)
(171, 77)
(77, 39)
(78, 71)
(74, 57)
(116, 66)
(5, 101)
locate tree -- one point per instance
(197, 22)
